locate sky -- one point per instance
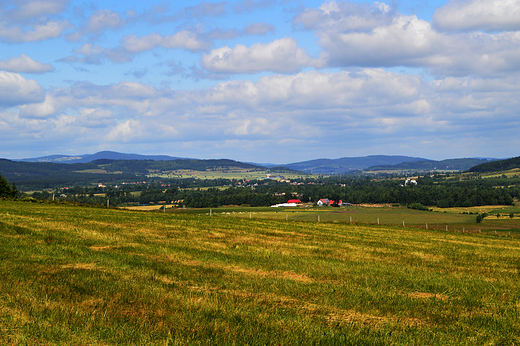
(266, 81)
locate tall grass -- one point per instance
(75, 275)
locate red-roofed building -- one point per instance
(296, 201)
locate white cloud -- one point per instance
(39, 110)
(487, 15)
(103, 19)
(348, 108)
(25, 64)
(281, 56)
(39, 32)
(376, 36)
(206, 9)
(345, 16)
(183, 39)
(252, 5)
(16, 90)
(36, 8)
(93, 54)
(137, 131)
(258, 29)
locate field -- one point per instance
(237, 174)
(89, 276)
(452, 219)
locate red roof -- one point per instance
(294, 201)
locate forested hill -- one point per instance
(348, 164)
(111, 155)
(43, 174)
(431, 165)
(497, 166)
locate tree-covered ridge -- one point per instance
(497, 166)
(430, 165)
(348, 164)
(49, 175)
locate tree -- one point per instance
(7, 190)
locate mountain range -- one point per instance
(318, 166)
(110, 155)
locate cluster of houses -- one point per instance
(322, 202)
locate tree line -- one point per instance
(429, 192)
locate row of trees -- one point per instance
(358, 190)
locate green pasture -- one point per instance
(452, 219)
(95, 276)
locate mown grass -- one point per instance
(77, 275)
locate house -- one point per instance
(284, 205)
(295, 201)
(322, 202)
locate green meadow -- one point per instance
(97, 276)
(452, 219)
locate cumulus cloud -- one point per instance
(281, 56)
(206, 9)
(103, 19)
(92, 54)
(258, 29)
(134, 130)
(252, 5)
(345, 16)
(24, 10)
(25, 64)
(486, 15)
(183, 39)
(16, 90)
(39, 32)
(294, 109)
(39, 110)
(377, 36)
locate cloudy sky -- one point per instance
(274, 81)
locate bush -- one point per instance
(418, 206)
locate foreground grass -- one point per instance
(73, 275)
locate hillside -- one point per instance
(110, 155)
(98, 276)
(348, 164)
(431, 165)
(48, 175)
(497, 166)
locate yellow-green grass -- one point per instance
(452, 219)
(88, 276)
(509, 173)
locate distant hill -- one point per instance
(110, 155)
(432, 165)
(497, 166)
(349, 164)
(49, 174)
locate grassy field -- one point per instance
(89, 276)
(453, 219)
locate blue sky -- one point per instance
(260, 80)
